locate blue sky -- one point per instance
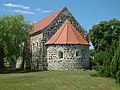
(87, 12)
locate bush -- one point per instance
(115, 64)
(118, 77)
(99, 57)
(103, 61)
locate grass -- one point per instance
(56, 80)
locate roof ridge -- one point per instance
(67, 31)
(79, 35)
(60, 32)
(74, 32)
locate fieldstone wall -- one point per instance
(51, 29)
(36, 47)
(69, 61)
(39, 58)
(64, 15)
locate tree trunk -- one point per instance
(2, 55)
(1, 65)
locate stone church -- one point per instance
(59, 42)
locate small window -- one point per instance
(60, 54)
(33, 46)
(37, 46)
(78, 54)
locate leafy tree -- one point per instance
(103, 61)
(105, 38)
(105, 35)
(99, 58)
(92, 54)
(118, 77)
(13, 32)
(106, 64)
(115, 64)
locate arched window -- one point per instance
(78, 53)
(60, 53)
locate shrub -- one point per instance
(118, 77)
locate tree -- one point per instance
(115, 64)
(103, 61)
(92, 54)
(105, 38)
(13, 32)
(118, 77)
(99, 58)
(106, 64)
(105, 35)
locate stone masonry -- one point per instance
(39, 49)
(74, 57)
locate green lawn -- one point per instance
(56, 80)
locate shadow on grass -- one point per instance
(14, 70)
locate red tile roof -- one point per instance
(67, 34)
(41, 24)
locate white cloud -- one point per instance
(43, 11)
(26, 9)
(38, 9)
(16, 5)
(46, 11)
(24, 12)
